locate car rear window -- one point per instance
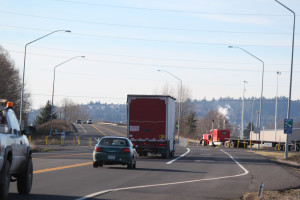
(114, 142)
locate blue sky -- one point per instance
(126, 42)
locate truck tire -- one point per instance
(172, 154)
(145, 153)
(166, 155)
(226, 144)
(95, 164)
(232, 145)
(24, 181)
(5, 182)
(203, 143)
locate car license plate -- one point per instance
(111, 157)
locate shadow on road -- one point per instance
(156, 170)
(16, 196)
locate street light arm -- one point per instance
(170, 74)
(247, 53)
(68, 31)
(67, 61)
(285, 7)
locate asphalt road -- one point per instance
(195, 173)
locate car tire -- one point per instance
(95, 164)
(100, 164)
(130, 165)
(5, 182)
(24, 181)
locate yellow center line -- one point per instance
(62, 155)
(115, 131)
(60, 168)
(98, 129)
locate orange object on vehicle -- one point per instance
(9, 104)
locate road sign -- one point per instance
(288, 126)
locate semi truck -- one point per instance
(151, 124)
(217, 137)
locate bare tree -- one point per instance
(165, 90)
(213, 119)
(186, 106)
(72, 112)
(11, 84)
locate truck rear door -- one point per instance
(147, 118)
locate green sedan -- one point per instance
(114, 150)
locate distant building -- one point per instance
(269, 135)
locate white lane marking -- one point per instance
(246, 171)
(174, 183)
(170, 162)
(83, 129)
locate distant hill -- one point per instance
(228, 106)
(106, 112)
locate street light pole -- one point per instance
(242, 117)
(51, 113)
(22, 92)
(291, 78)
(262, 85)
(251, 128)
(278, 73)
(180, 96)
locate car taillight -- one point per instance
(97, 149)
(126, 150)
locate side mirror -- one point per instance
(29, 130)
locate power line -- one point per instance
(165, 66)
(135, 26)
(166, 10)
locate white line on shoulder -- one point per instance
(170, 162)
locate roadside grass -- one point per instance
(293, 157)
(293, 163)
(36, 149)
(292, 194)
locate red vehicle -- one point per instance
(151, 124)
(219, 137)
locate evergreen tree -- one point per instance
(246, 131)
(191, 123)
(44, 115)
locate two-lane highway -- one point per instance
(200, 173)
